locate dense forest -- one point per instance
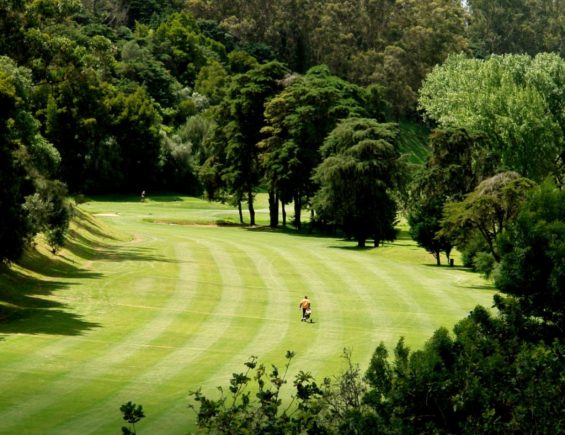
(311, 101)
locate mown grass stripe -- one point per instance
(233, 295)
(213, 303)
(270, 326)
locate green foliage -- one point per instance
(488, 210)
(211, 81)
(183, 49)
(146, 11)
(139, 64)
(243, 410)
(517, 26)
(184, 154)
(457, 162)
(394, 44)
(532, 256)
(48, 211)
(361, 164)
(136, 128)
(487, 378)
(133, 414)
(511, 100)
(26, 159)
(424, 220)
(298, 120)
(240, 119)
(253, 404)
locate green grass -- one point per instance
(152, 300)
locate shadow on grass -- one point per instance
(53, 266)
(289, 230)
(24, 309)
(87, 223)
(309, 232)
(89, 249)
(164, 198)
(354, 247)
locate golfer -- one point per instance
(305, 305)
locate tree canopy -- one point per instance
(360, 167)
(516, 101)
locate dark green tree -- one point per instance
(458, 161)
(240, 120)
(297, 121)
(425, 223)
(133, 414)
(493, 376)
(27, 161)
(136, 127)
(516, 26)
(183, 48)
(532, 254)
(361, 164)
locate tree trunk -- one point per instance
(297, 211)
(283, 214)
(251, 209)
(437, 254)
(361, 243)
(376, 242)
(240, 212)
(273, 209)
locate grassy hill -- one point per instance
(151, 300)
(414, 141)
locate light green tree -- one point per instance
(515, 100)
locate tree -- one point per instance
(133, 414)
(425, 223)
(183, 48)
(393, 43)
(493, 376)
(297, 121)
(361, 163)
(458, 161)
(15, 86)
(26, 162)
(515, 100)
(532, 254)
(239, 411)
(136, 128)
(488, 210)
(516, 26)
(145, 11)
(48, 211)
(139, 64)
(184, 153)
(240, 120)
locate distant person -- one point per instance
(142, 195)
(305, 305)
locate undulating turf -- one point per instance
(151, 300)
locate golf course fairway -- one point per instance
(151, 300)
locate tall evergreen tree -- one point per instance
(361, 163)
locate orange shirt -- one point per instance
(305, 304)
